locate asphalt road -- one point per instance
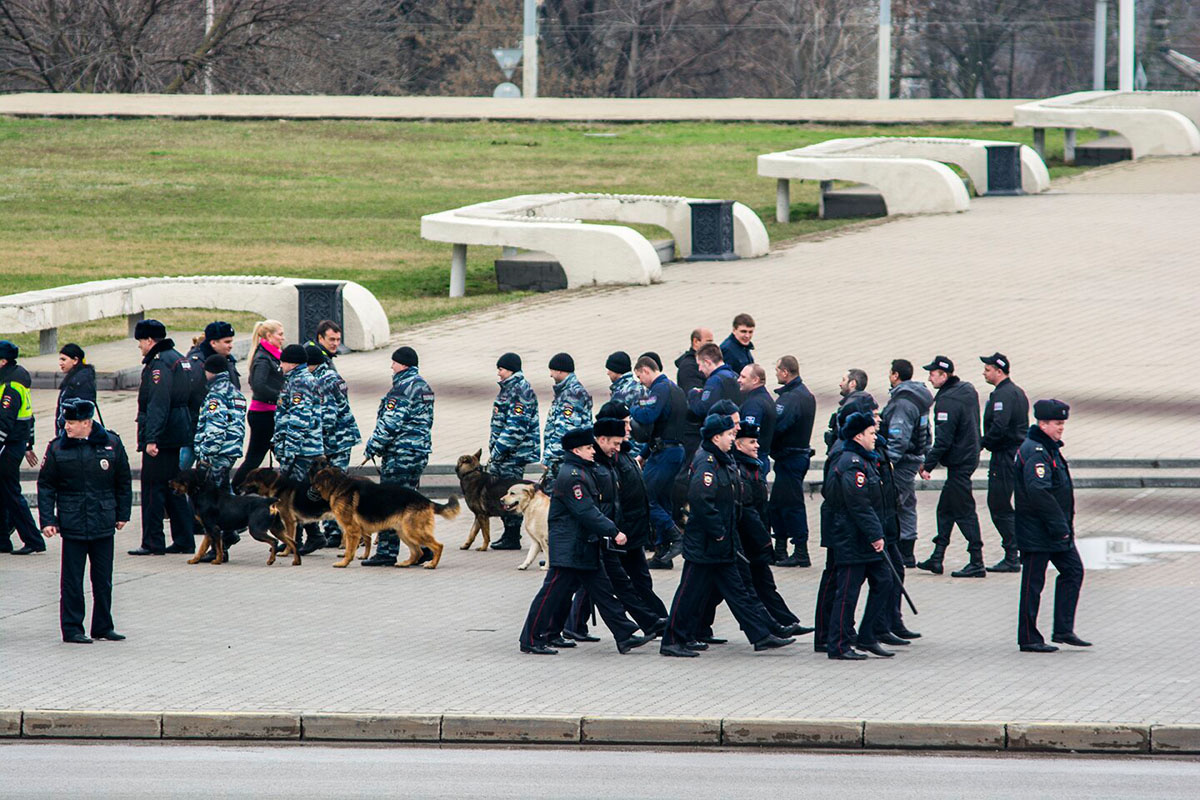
(97, 770)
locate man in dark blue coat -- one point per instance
(85, 494)
(1045, 526)
(660, 418)
(577, 530)
(791, 447)
(737, 349)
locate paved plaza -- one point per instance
(1089, 289)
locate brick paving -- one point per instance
(1089, 289)
(310, 638)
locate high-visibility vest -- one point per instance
(25, 412)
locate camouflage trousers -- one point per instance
(407, 473)
(333, 534)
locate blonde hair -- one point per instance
(261, 330)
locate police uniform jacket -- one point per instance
(721, 385)
(16, 409)
(221, 428)
(633, 518)
(906, 420)
(571, 409)
(826, 508)
(338, 428)
(84, 487)
(759, 409)
(955, 426)
(713, 493)
(687, 372)
(795, 413)
(628, 391)
(197, 356)
(736, 354)
(78, 384)
(855, 497)
(889, 510)
(661, 416)
(608, 498)
(1044, 499)
(266, 376)
(164, 417)
(403, 433)
(298, 418)
(576, 523)
(515, 437)
(1005, 418)
(752, 524)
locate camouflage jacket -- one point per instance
(572, 408)
(515, 438)
(338, 428)
(629, 391)
(404, 423)
(221, 426)
(298, 415)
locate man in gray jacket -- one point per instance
(906, 420)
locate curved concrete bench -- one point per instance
(589, 254)
(1153, 123)
(908, 185)
(299, 304)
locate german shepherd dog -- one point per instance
(296, 504)
(482, 492)
(220, 512)
(362, 507)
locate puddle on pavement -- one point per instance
(1119, 552)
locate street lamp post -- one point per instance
(529, 77)
(1127, 24)
(884, 71)
(1099, 45)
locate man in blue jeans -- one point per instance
(660, 418)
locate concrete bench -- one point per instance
(298, 304)
(1147, 123)
(909, 172)
(589, 254)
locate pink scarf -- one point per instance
(258, 405)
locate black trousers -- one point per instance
(694, 597)
(1066, 592)
(956, 506)
(644, 614)
(14, 511)
(849, 580)
(1001, 476)
(825, 592)
(262, 428)
(756, 577)
(71, 607)
(158, 501)
(550, 605)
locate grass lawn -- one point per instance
(89, 199)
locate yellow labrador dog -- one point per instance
(529, 501)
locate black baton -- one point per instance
(896, 578)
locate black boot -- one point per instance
(934, 562)
(906, 552)
(973, 569)
(314, 540)
(780, 552)
(511, 540)
(660, 559)
(1010, 563)
(798, 558)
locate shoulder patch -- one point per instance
(779, 408)
(860, 479)
(297, 398)
(213, 405)
(577, 490)
(998, 405)
(943, 416)
(568, 411)
(518, 409)
(708, 479)
(7, 401)
(390, 405)
(1039, 469)
(156, 375)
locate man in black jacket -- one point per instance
(85, 494)
(660, 418)
(16, 443)
(577, 528)
(791, 447)
(1005, 420)
(855, 501)
(218, 340)
(1045, 526)
(956, 447)
(905, 420)
(710, 550)
(163, 427)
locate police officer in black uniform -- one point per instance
(955, 446)
(16, 443)
(163, 427)
(577, 528)
(1045, 525)
(856, 535)
(659, 420)
(710, 549)
(791, 447)
(891, 628)
(1005, 420)
(85, 494)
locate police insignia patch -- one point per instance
(156, 375)
(7, 402)
(390, 405)
(999, 405)
(568, 411)
(1040, 470)
(104, 463)
(297, 399)
(943, 416)
(708, 476)
(213, 405)
(860, 479)
(577, 490)
(518, 409)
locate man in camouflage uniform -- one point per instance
(338, 428)
(402, 439)
(625, 389)
(298, 437)
(515, 439)
(571, 409)
(220, 432)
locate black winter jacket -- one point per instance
(78, 384)
(796, 411)
(84, 488)
(1044, 498)
(266, 376)
(759, 409)
(955, 426)
(1005, 418)
(854, 496)
(197, 356)
(688, 375)
(713, 493)
(752, 524)
(576, 522)
(163, 415)
(633, 519)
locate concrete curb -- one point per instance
(797, 734)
